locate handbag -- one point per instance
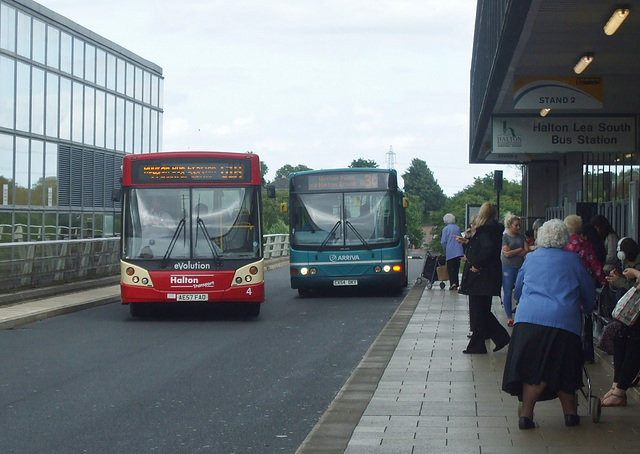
(443, 273)
(628, 307)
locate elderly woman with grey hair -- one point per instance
(553, 289)
(452, 249)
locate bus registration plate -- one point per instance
(192, 297)
(340, 282)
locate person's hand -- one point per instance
(631, 273)
(474, 269)
(460, 239)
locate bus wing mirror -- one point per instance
(405, 202)
(116, 195)
(284, 208)
(271, 192)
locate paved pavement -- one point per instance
(415, 392)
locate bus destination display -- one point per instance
(195, 172)
(345, 181)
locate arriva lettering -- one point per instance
(348, 257)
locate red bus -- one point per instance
(191, 230)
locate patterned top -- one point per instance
(587, 254)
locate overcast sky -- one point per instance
(318, 83)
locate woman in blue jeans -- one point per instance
(514, 248)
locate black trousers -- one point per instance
(453, 267)
(484, 324)
(626, 357)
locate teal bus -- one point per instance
(347, 228)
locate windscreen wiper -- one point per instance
(172, 243)
(330, 235)
(215, 250)
(367, 245)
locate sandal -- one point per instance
(613, 388)
(615, 401)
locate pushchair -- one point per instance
(432, 261)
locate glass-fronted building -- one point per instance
(72, 104)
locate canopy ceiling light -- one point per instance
(584, 61)
(544, 112)
(616, 19)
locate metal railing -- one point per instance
(43, 263)
(276, 245)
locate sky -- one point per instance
(318, 83)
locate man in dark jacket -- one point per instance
(482, 280)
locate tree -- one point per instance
(414, 221)
(288, 169)
(363, 163)
(477, 193)
(273, 220)
(264, 169)
(419, 180)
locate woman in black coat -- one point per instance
(482, 280)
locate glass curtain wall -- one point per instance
(70, 108)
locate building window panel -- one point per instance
(7, 93)
(23, 100)
(39, 41)
(78, 57)
(130, 85)
(89, 114)
(24, 35)
(146, 129)
(138, 94)
(6, 169)
(7, 28)
(65, 108)
(36, 183)
(161, 93)
(111, 72)
(89, 62)
(101, 68)
(22, 171)
(52, 105)
(110, 128)
(137, 130)
(120, 122)
(128, 147)
(37, 101)
(51, 174)
(120, 76)
(53, 47)
(146, 87)
(154, 131)
(100, 118)
(154, 91)
(77, 112)
(66, 51)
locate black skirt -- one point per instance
(543, 354)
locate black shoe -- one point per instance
(469, 351)
(571, 420)
(525, 423)
(500, 346)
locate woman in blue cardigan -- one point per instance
(553, 289)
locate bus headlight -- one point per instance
(377, 268)
(129, 271)
(397, 268)
(304, 271)
(145, 281)
(313, 270)
(386, 268)
(247, 278)
(135, 279)
(253, 270)
(238, 280)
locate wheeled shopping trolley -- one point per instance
(432, 261)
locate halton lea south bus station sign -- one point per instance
(559, 134)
